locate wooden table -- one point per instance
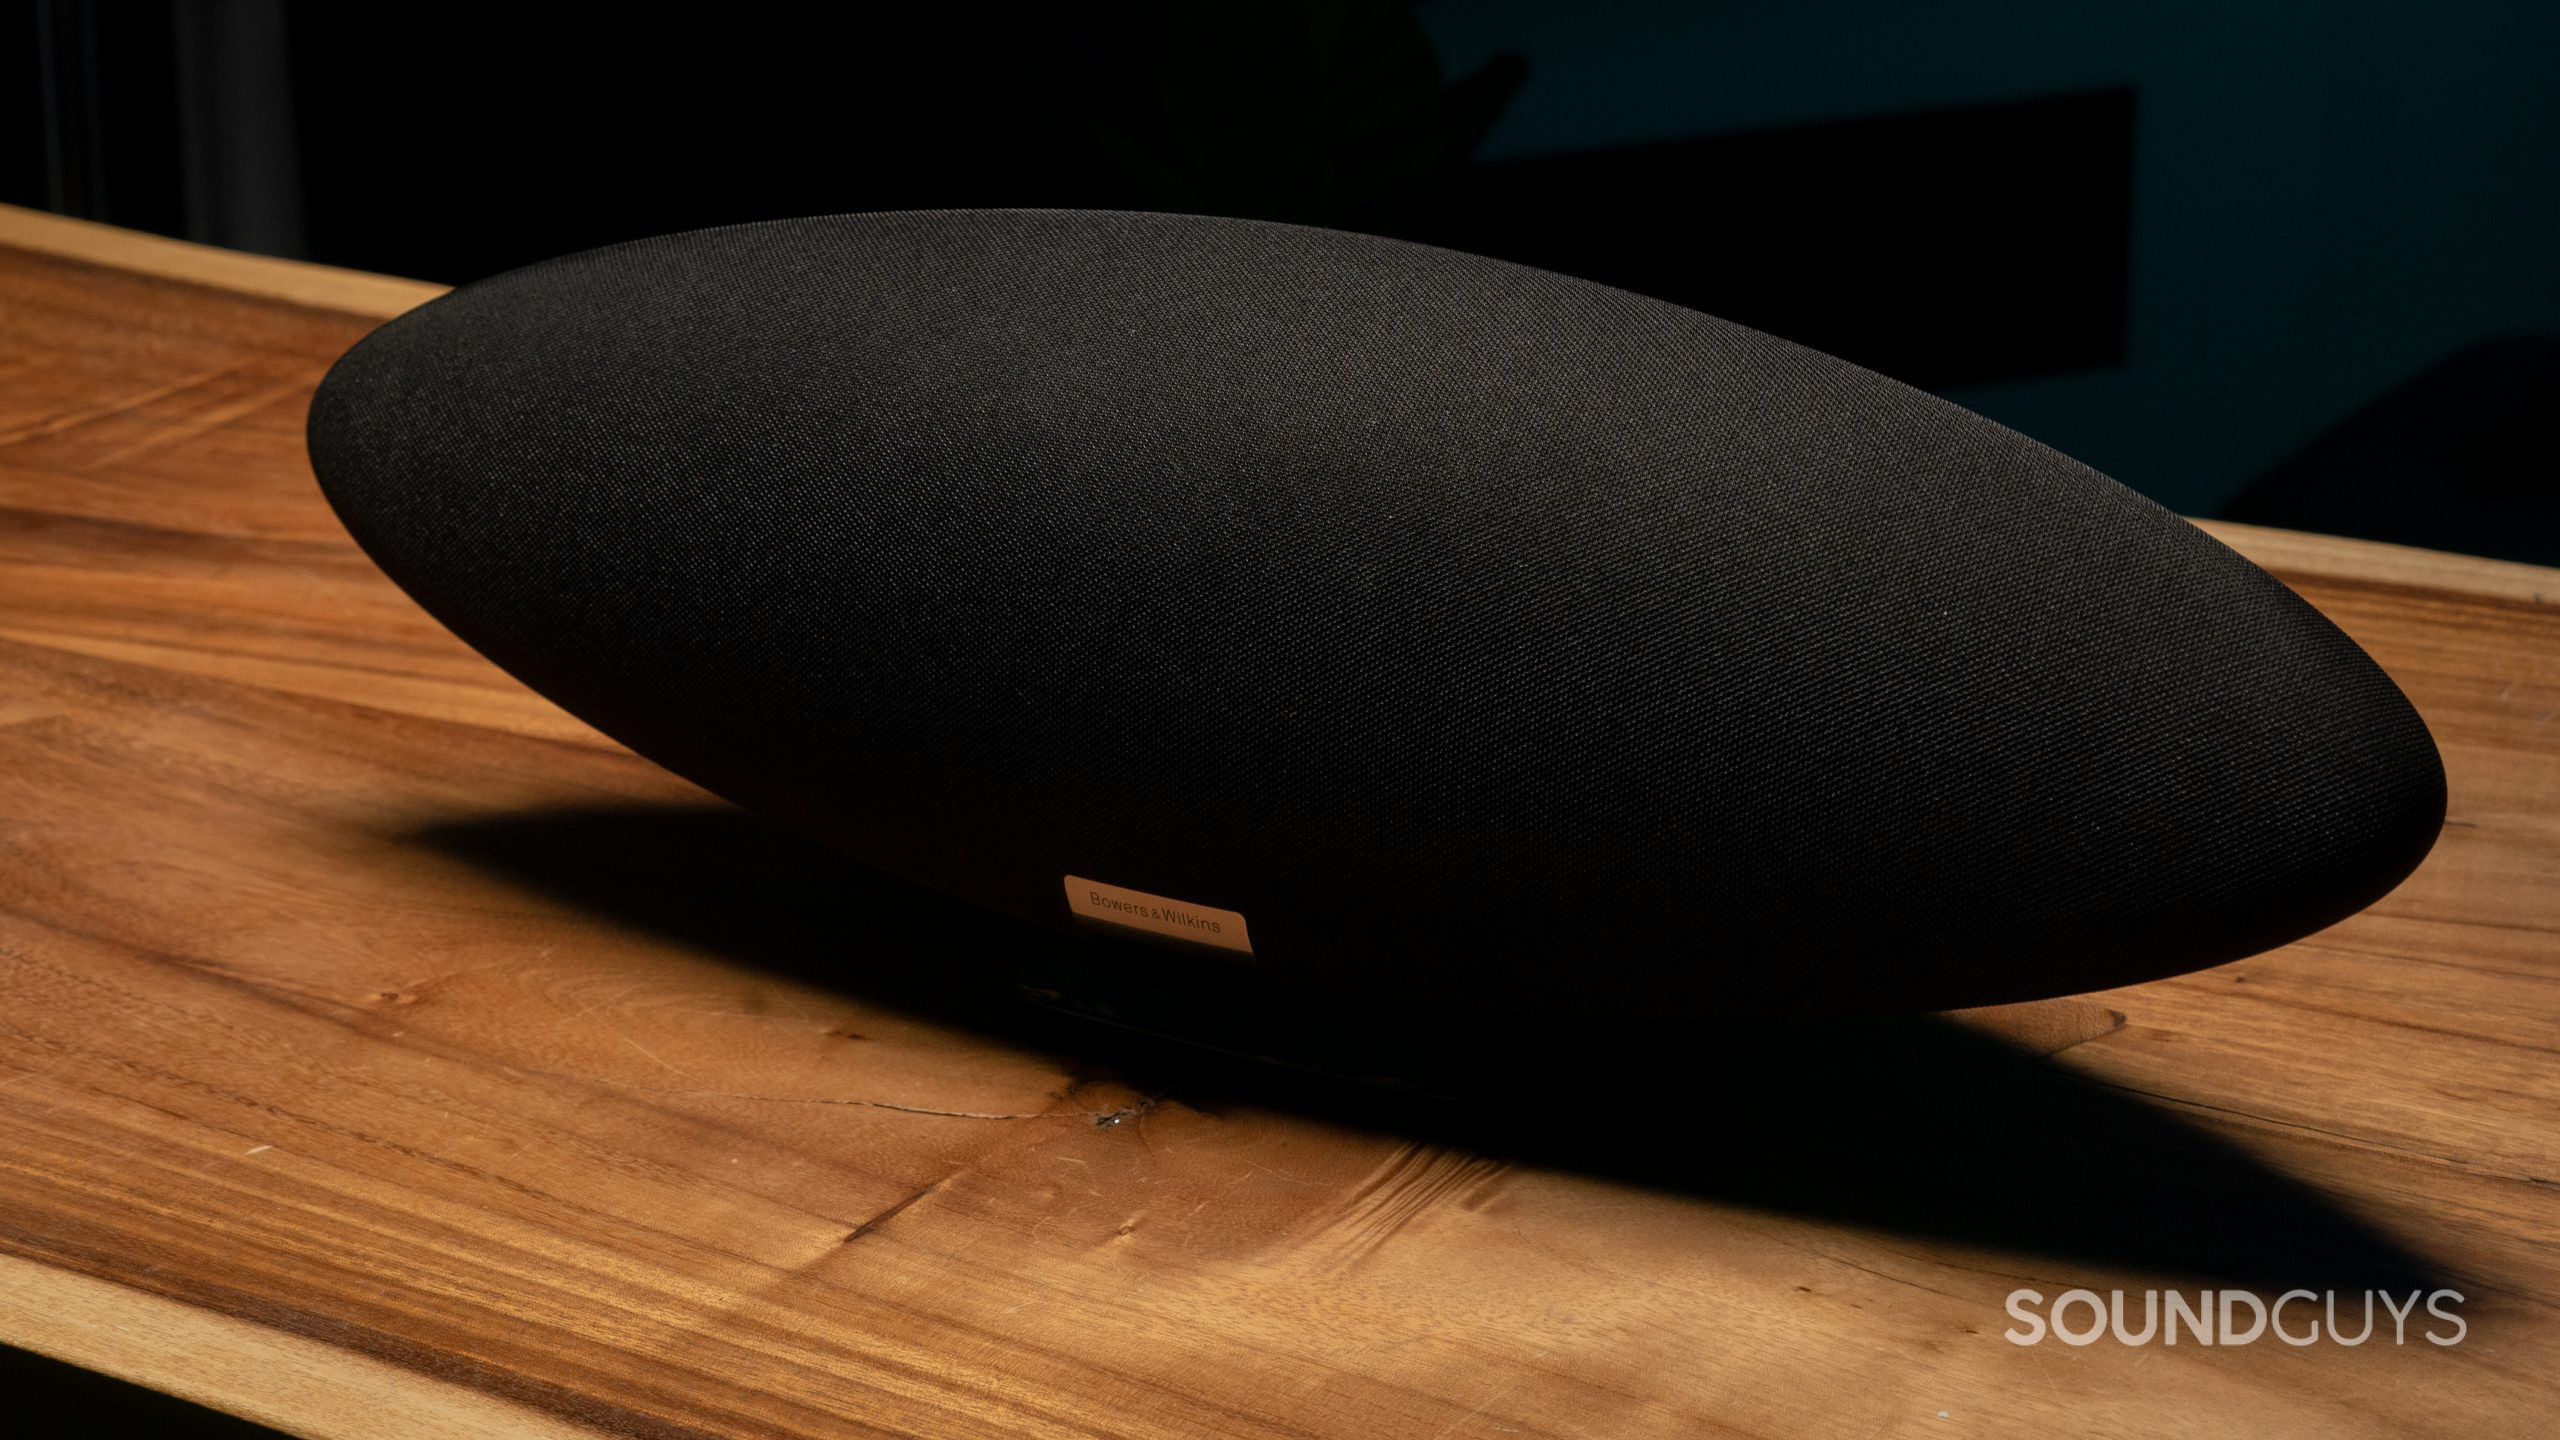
(384, 1053)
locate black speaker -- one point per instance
(1373, 617)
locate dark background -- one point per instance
(2295, 261)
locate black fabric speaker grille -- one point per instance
(1470, 629)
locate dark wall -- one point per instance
(2328, 198)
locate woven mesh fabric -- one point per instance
(1471, 629)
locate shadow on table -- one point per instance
(1913, 1124)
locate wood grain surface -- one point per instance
(383, 1052)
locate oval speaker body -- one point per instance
(1373, 616)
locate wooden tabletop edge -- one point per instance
(284, 1381)
(2337, 557)
(322, 287)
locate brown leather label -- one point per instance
(1157, 914)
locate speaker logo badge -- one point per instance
(1126, 909)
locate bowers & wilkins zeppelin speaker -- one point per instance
(1373, 617)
